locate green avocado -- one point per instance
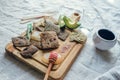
(70, 24)
(60, 21)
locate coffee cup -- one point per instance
(104, 39)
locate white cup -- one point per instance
(104, 39)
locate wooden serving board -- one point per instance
(58, 71)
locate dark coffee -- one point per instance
(106, 34)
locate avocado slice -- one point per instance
(70, 24)
(60, 21)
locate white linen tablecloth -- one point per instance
(91, 64)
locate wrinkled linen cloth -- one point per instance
(91, 64)
(112, 74)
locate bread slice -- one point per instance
(50, 26)
(29, 51)
(63, 35)
(20, 41)
(49, 40)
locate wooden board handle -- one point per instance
(48, 71)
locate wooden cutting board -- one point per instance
(58, 71)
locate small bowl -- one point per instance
(104, 39)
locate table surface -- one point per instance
(95, 14)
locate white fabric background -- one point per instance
(90, 64)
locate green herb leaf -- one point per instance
(29, 31)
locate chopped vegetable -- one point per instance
(71, 24)
(29, 30)
(60, 21)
